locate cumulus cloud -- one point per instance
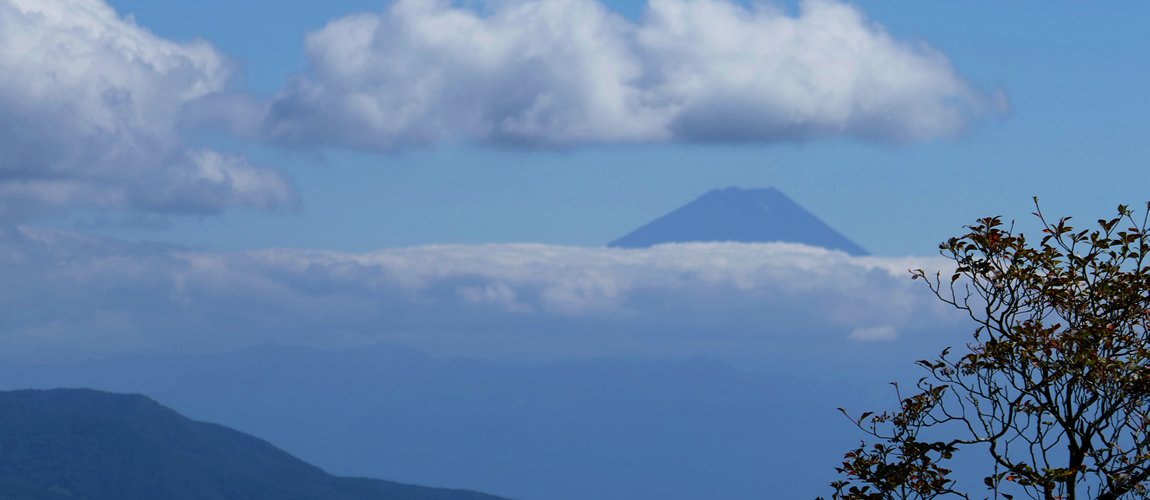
(93, 104)
(544, 73)
(70, 293)
(90, 105)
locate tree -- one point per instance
(1054, 389)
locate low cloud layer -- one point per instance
(74, 296)
(559, 73)
(90, 105)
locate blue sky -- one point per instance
(1071, 136)
(219, 177)
(332, 129)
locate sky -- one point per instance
(1074, 107)
(188, 182)
(1068, 132)
(414, 162)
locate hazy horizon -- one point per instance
(390, 220)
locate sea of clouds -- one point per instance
(74, 296)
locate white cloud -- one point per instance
(90, 105)
(72, 294)
(570, 72)
(93, 104)
(877, 333)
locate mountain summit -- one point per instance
(742, 215)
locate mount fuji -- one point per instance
(740, 215)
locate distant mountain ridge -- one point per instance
(740, 215)
(82, 444)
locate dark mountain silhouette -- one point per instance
(742, 215)
(583, 429)
(82, 444)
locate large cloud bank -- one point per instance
(544, 73)
(69, 295)
(96, 109)
(90, 104)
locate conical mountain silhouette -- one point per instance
(741, 215)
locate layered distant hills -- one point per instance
(740, 215)
(80, 444)
(583, 429)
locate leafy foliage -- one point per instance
(1055, 385)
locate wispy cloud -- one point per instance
(877, 333)
(71, 295)
(90, 105)
(543, 73)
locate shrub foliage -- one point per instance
(1054, 386)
